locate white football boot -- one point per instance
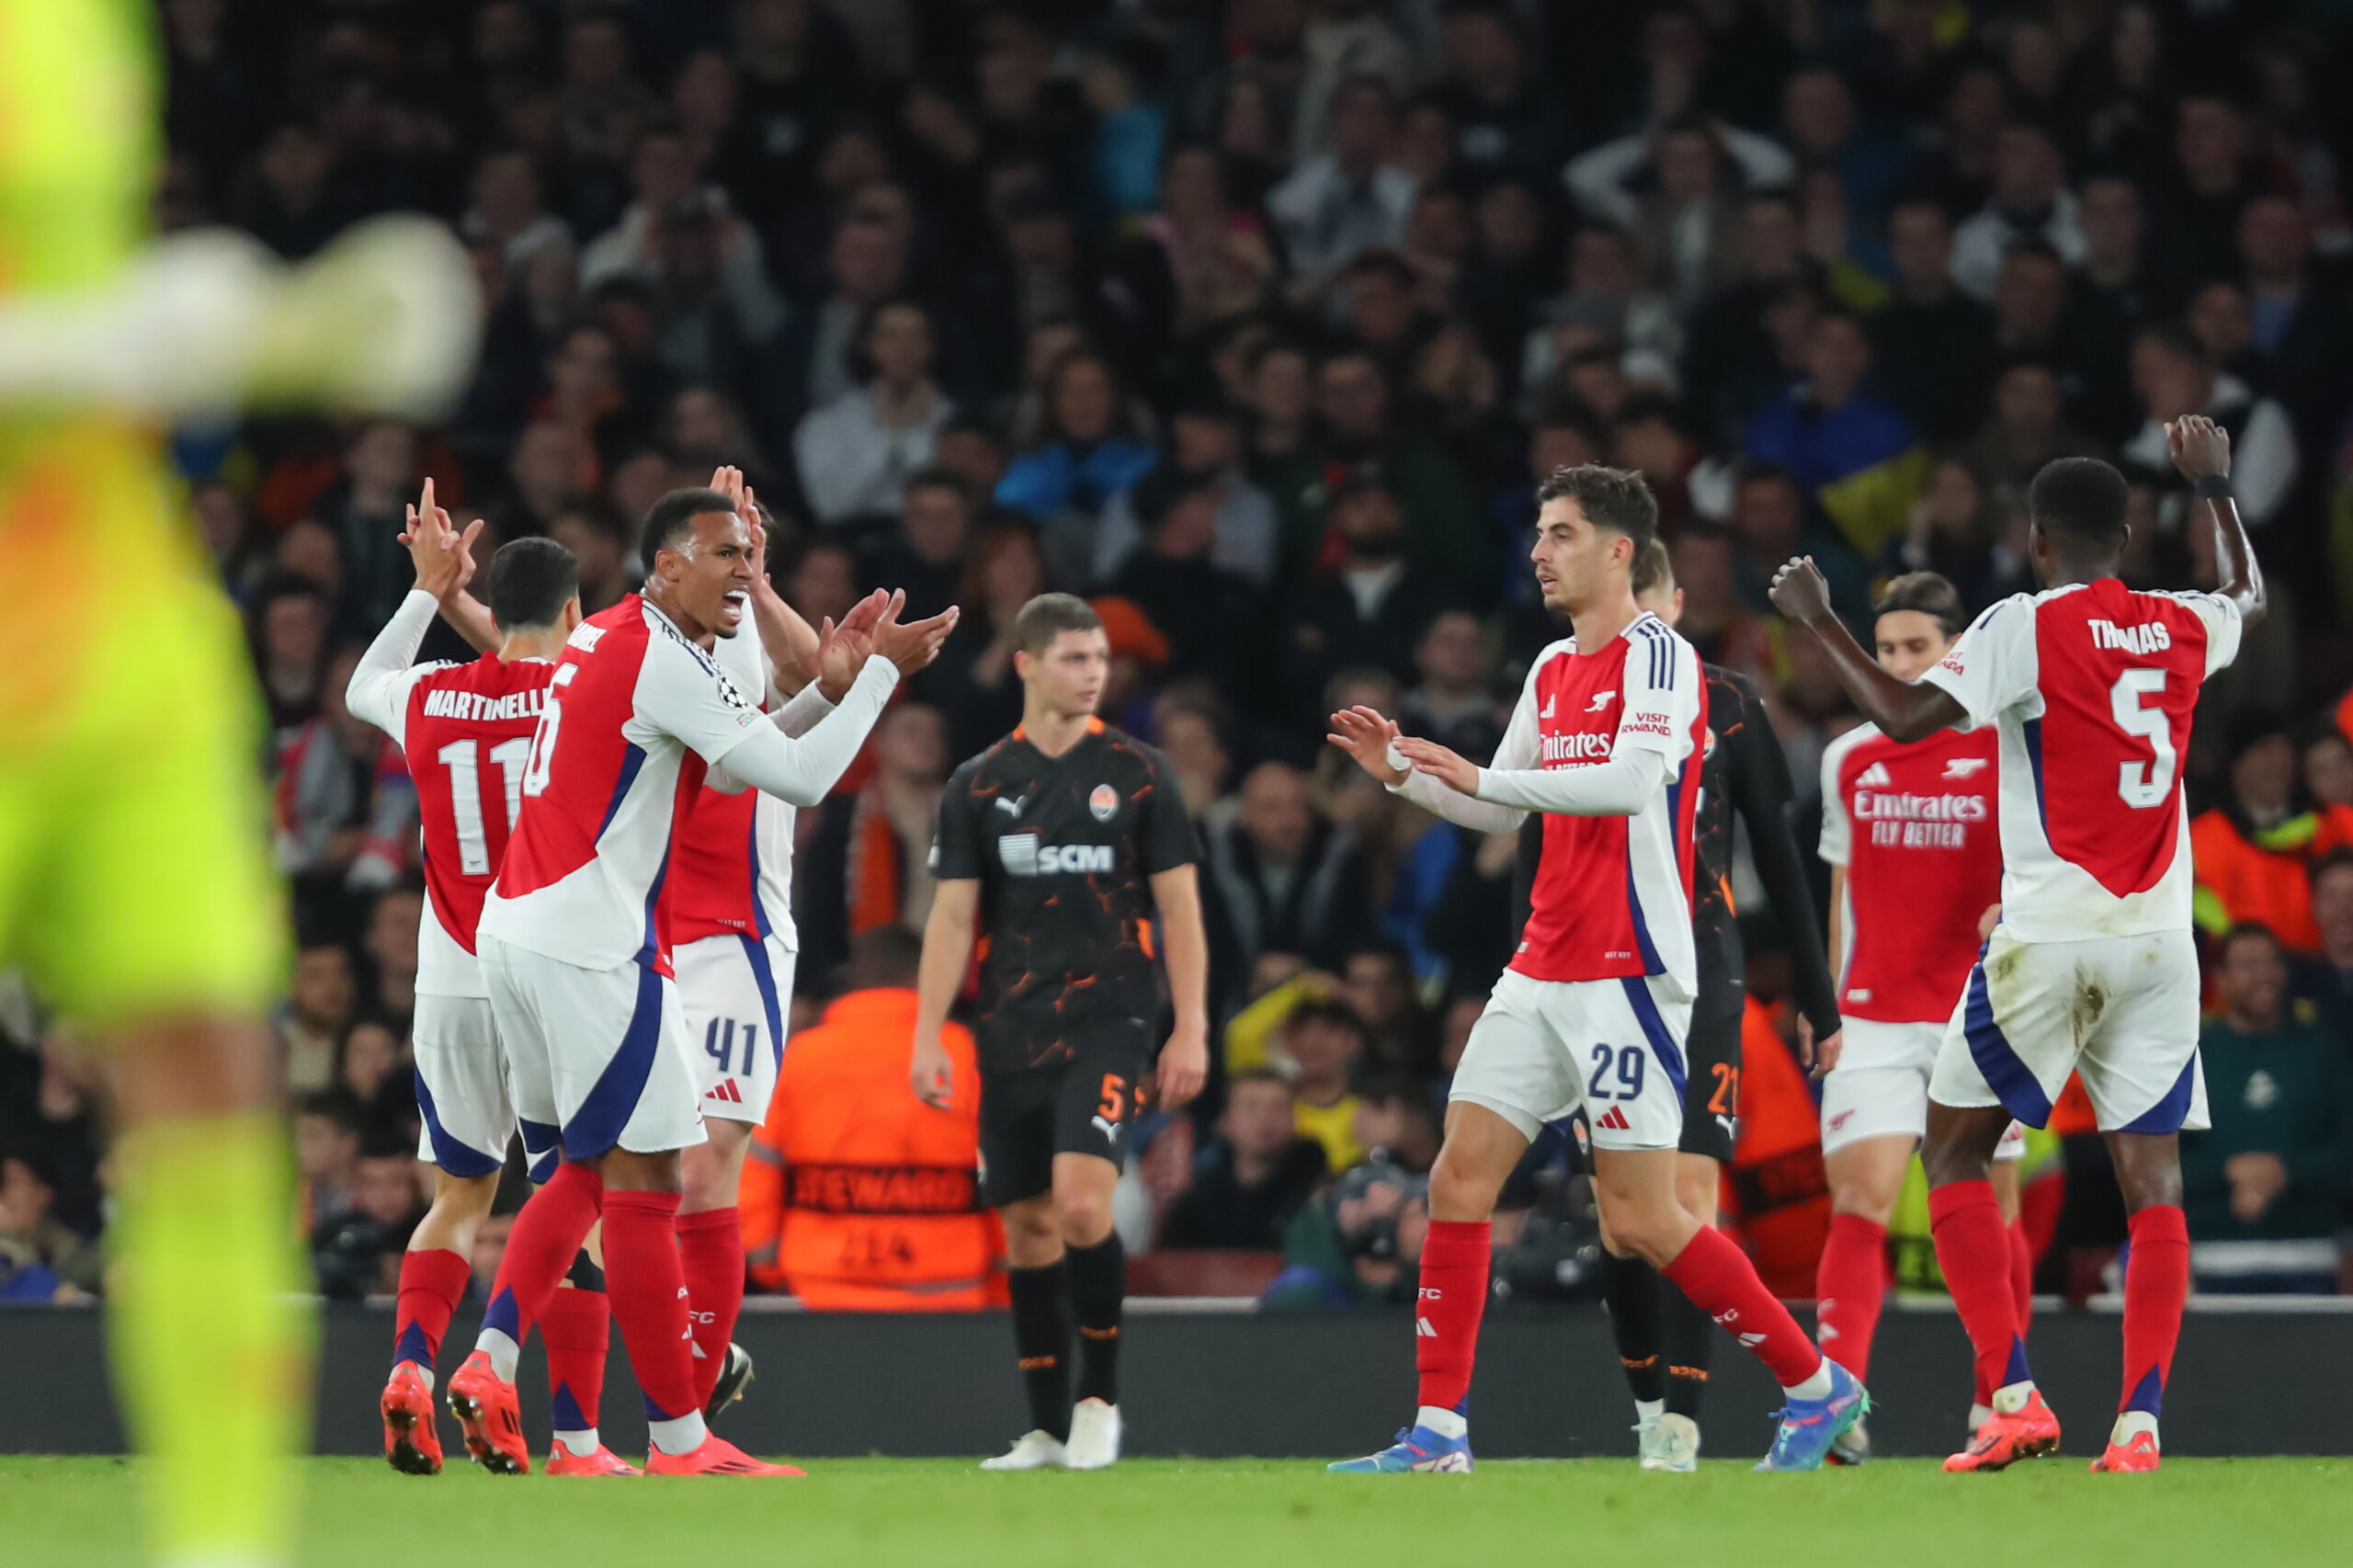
(1672, 1446)
(1031, 1450)
(1094, 1435)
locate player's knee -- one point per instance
(1864, 1198)
(1084, 1218)
(1460, 1189)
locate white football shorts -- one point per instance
(599, 1054)
(461, 1087)
(1880, 1088)
(734, 991)
(2122, 1011)
(1543, 1048)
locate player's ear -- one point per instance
(569, 617)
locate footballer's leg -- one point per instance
(1094, 1119)
(711, 1248)
(1017, 1139)
(1866, 1177)
(2007, 1156)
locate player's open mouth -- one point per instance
(733, 606)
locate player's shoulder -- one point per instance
(1848, 745)
(975, 769)
(1647, 635)
(1732, 685)
(1561, 648)
(1134, 750)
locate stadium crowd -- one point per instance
(1255, 322)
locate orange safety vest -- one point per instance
(1776, 1193)
(2267, 881)
(857, 1197)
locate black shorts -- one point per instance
(1085, 1106)
(1711, 1053)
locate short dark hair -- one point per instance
(1325, 1011)
(1618, 499)
(335, 1103)
(1235, 1079)
(884, 957)
(2336, 859)
(1929, 593)
(671, 519)
(2244, 931)
(1047, 616)
(939, 476)
(2079, 498)
(531, 582)
(1653, 569)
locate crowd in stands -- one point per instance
(1256, 322)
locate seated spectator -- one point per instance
(508, 210)
(344, 805)
(390, 944)
(2030, 200)
(1194, 741)
(1605, 295)
(857, 1197)
(973, 680)
(371, 1069)
(42, 1248)
(2252, 852)
(326, 1155)
(865, 864)
(1213, 618)
(1367, 614)
(2028, 429)
(356, 1253)
(2324, 980)
(2171, 374)
(1716, 618)
(1324, 1042)
(865, 263)
(1205, 445)
(2327, 767)
(602, 543)
(1363, 442)
(662, 170)
(1349, 197)
(1686, 230)
(1362, 1245)
(1397, 1124)
(1281, 878)
(309, 1020)
(1260, 1172)
(1454, 704)
(1376, 984)
(1956, 531)
(2265, 1188)
(1084, 459)
(1849, 453)
(857, 454)
(927, 558)
(288, 620)
(1771, 524)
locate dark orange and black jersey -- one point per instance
(1065, 849)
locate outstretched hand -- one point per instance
(1801, 593)
(1364, 734)
(843, 649)
(913, 644)
(1455, 772)
(443, 556)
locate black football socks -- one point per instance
(1041, 1335)
(1098, 1292)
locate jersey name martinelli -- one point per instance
(1917, 827)
(1612, 895)
(2091, 688)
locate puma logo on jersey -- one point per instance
(1600, 701)
(1012, 806)
(1965, 767)
(1876, 773)
(2149, 637)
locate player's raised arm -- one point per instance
(444, 561)
(444, 564)
(2201, 450)
(1904, 711)
(1373, 740)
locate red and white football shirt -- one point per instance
(1918, 829)
(731, 866)
(2091, 687)
(635, 714)
(466, 732)
(1612, 895)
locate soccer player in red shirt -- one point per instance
(2090, 686)
(1912, 832)
(1606, 742)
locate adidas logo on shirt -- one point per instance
(1875, 774)
(1548, 707)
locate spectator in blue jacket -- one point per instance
(1085, 459)
(1855, 457)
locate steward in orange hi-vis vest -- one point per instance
(857, 1197)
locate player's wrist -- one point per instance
(2211, 487)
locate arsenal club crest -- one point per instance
(1104, 802)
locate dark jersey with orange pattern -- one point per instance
(1064, 849)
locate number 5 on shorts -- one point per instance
(1626, 1082)
(1115, 1098)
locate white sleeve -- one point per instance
(1663, 692)
(1520, 749)
(388, 672)
(2224, 627)
(1837, 832)
(1984, 671)
(1597, 179)
(804, 770)
(1764, 162)
(802, 710)
(1623, 787)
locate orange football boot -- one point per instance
(604, 1461)
(716, 1457)
(2138, 1452)
(2027, 1432)
(412, 1441)
(485, 1405)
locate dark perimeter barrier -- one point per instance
(1207, 1380)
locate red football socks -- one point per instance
(1974, 1251)
(648, 1287)
(711, 1251)
(546, 1238)
(576, 1329)
(432, 1283)
(2156, 1282)
(1453, 1299)
(1722, 1283)
(1849, 1288)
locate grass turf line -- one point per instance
(882, 1512)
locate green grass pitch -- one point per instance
(880, 1513)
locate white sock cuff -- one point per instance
(1450, 1423)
